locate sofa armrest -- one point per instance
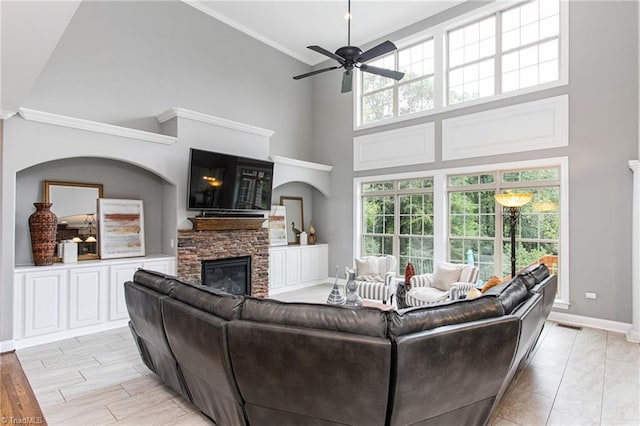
(458, 289)
(422, 280)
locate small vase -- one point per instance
(43, 225)
(353, 299)
(335, 298)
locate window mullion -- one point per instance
(497, 78)
(439, 74)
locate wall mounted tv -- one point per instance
(223, 183)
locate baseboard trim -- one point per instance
(582, 321)
(54, 337)
(7, 346)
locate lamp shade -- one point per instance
(511, 199)
(90, 239)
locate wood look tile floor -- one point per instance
(574, 377)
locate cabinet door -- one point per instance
(292, 266)
(308, 264)
(87, 296)
(118, 275)
(45, 302)
(277, 269)
(322, 265)
(163, 266)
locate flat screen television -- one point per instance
(228, 184)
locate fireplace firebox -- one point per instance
(231, 275)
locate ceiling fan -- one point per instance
(350, 57)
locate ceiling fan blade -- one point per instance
(374, 52)
(309, 74)
(325, 52)
(396, 75)
(347, 81)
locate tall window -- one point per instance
(475, 58)
(398, 220)
(476, 224)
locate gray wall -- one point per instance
(603, 138)
(119, 180)
(125, 62)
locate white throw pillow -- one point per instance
(445, 275)
(367, 268)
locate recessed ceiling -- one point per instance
(290, 26)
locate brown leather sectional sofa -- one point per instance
(245, 361)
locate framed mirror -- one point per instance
(75, 205)
(295, 218)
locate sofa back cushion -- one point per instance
(413, 320)
(510, 294)
(162, 283)
(365, 321)
(208, 299)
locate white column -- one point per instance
(633, 335)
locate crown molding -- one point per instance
(300, 163)
(204, 8)
(4, 114)
(94, 126)
(210, 119)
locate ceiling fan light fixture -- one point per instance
(350, 57)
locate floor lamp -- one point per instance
(513, 202)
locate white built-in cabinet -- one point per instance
(64, 300)
(292, 267)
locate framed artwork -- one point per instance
(295, 218)
(278, 226)
(121, 227)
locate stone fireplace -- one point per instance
(196, 248)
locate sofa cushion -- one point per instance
(445, 275)
(162, 283)
(208, 299)
(365, 321)
(413, 320)
(510, 294)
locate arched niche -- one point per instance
(120, 179)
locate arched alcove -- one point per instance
(120, 179)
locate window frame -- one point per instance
(439, 34)
(499, 185)
(440, 200)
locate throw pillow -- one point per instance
(474, 293)
(367, 268)
(445, 275)
(491, 282)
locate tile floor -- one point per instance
(587, 377)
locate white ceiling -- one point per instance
(290, 26)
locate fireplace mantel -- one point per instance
(226, 223)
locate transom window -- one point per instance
(383, 98)
(509, 50)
